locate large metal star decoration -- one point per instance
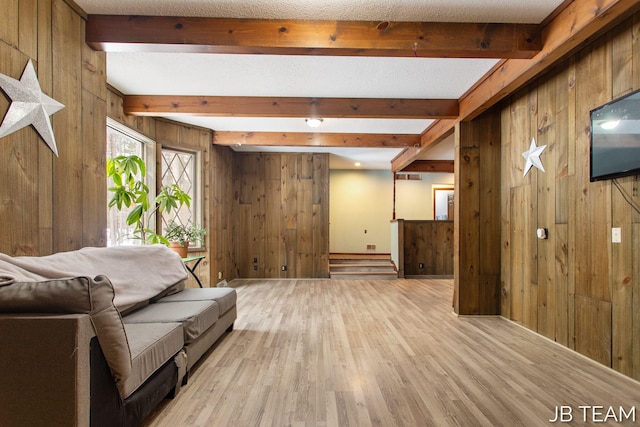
(29, 106)
(533, 157)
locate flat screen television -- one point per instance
(615, 138)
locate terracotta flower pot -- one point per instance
(181, 250)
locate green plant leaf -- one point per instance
(135, 215)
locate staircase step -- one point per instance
(362, 275)
(381, 268)
(362, 266)
(360, 261)
(334, 255)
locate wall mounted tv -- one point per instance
(615, 138)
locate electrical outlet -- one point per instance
(616, 235)
(255, 260)
(421, 265)
(219, 274)
(283, 268)
(255, 267)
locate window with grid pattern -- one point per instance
(181, 168)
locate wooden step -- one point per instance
(352, 275)
(368, 267)
(378, 256)
(362, 266)
(360, 261)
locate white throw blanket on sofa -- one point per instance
(137, 273)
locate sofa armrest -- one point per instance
(75, 295)
(45, 369)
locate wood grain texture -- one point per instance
(477, 215)
(223, 233)
(284, 215)
(506, 282)
(293, 139)
(67, 205)
(545, 122)
(52, 203)
(381, 353)
(312, 37)
(622, 254)
(581, 285)
(430, 166)
(429, 243)
(265, 106)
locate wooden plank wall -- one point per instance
(576, 287)
(223, 224)
(477, 215)
(283, 215)
(50, 204)
(429, 243)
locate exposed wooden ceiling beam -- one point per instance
(294, 139)
(438, 131)
(430, 166)
(121, 33)
(576, 24)
(239, 106)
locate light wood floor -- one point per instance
(383, 353)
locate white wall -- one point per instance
(363, 200)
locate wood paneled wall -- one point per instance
(50, 204)
(429, 243)
(477, 215)
(223, 224)
(283, 214)
(577, 287)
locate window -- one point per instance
(182, 168)
(124, 141)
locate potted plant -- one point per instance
(179, 236)
(129, 190)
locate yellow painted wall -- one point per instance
(363, 200)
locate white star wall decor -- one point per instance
(533, 157)
(29, 106)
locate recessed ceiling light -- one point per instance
(314, 123)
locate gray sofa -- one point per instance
(84, 343)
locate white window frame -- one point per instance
(149, 156)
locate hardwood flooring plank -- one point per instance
(321, 352)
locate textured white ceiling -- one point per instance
(517, 11)
(271, 75)
(308, 76)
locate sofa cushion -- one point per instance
(152, 345)
(75, 295)
(195, 316)
(225, 297)
(177, 287)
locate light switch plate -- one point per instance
(616, 235)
